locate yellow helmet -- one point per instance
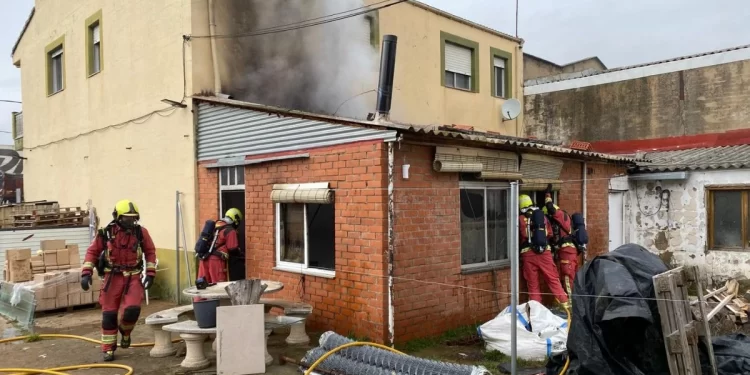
(125, 208)
(524, 201)
(234, 214)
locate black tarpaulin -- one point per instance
(615, 327)
(732, 353)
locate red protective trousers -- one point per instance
(533, 264)
(568, 258)
(122, 297)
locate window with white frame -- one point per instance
(305, 229)
(484, 224)
(232, 178)
(499, 83)
(458, 60)
(55, 58)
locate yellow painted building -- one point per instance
(101, 80)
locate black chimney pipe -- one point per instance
(387, 69)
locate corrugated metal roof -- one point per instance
(726, 157)
(589, 73)
(13, 239)
(449, 132)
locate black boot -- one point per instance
(109, 356)
(125, 342)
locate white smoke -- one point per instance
(313, 69)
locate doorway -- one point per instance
(232, 195)
(616, 210)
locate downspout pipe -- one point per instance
(391, 244)
(214, 58)
(584, 172)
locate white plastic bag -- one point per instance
(548, 336)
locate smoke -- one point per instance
(315, 69)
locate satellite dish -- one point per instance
(511, 109)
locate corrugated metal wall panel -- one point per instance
(13, 239)
(225, 131)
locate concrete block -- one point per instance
(52, 244)
(62, 257)
(74, 258)
(241, 340)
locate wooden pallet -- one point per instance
(681, 326)
(51, 218)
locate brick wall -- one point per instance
(354, 302)
(430, 293)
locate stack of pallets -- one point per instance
(57, 217)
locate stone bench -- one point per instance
(162, 339)
(297, 333)
(194, 336)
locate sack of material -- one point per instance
(540, 333)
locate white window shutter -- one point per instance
(500, 63)
(457, 59)
(95, 35)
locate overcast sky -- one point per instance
(619, 32)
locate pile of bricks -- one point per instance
(60, 289)
(54, 255)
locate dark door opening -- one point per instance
(236, 199)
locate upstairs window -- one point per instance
(94, 44)
(55, 56)
(501, 71)
(459, 62)
(499, 82)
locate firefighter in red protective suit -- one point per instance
(214, 267)
(562, 243)
(533, 262)
(118, 251)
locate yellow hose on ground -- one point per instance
(567, 360)
(56, 371)
(334, 350)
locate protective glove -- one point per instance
(148, 282)
(85, 282)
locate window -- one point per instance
(484, 224)
(232, 178)
(501, 68)
(538, 197)
(729, 219)
(459, 63)
(94, 44)
(372, 29)
(55, 66)
(305, 238)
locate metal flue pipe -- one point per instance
(387, 70)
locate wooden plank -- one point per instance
(682, 322)
(706, 334)
(666, 325)
(718, 307)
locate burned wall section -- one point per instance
(313, 69)
(670, 218)
(705, 100)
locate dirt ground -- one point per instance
(53, 353)
(65, 352)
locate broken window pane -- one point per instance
(473, 232)
(727, 218)
(497, 224)
(321, 236)
(292, 222)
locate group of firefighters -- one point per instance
(118, 250)
(558, 244)
(117, 254)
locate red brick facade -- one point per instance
(431, 294)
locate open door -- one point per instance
(236, 199)
(616, 208)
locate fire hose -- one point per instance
(58, 370)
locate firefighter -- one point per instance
(562, 243)
(214, 267)
(534, 262)
(118, 251)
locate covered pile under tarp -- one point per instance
(615, 327)
(732, 353)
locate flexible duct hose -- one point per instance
(57, 370)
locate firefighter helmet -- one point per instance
(524, 201)
(235, 215)
(545, 208)
(125, 208)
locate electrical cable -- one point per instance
(298, 27)
(347, 100)
(10, 101)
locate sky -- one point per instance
(620, 33)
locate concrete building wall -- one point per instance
(592, 63)
(676, 226)
(75, 148)
(534, 67)
(710, 99)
